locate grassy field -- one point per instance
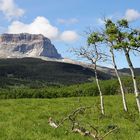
(27, 119)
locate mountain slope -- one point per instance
(48, 71)
(127, 70)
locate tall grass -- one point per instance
(27, 119)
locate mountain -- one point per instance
(127, 70)
(35, 58)
(26, 45)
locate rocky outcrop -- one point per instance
(26, 45)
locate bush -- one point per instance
(108, 87)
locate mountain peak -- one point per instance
(26, 45)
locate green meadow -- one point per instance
(27, 119)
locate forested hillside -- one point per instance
(26, 70)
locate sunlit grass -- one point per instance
(27, 119)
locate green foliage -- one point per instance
(123, 23)
(108, 23)
(109, 87)
(121, 35)
(112, 29)
(94, 38)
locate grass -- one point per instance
(27, 119)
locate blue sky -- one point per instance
(66, 20)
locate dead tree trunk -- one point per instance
(119, 79)
(136, 91)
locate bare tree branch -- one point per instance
(76, 128)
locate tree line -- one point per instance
(108, 87)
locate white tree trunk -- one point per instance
(133, 78)
(100, 92)
(119, 79)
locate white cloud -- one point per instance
(10, 9)
(69, 36)
(41, 25)
(100, 21)
(132, 15)
(68, 21)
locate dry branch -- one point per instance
(76, 128)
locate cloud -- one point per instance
(10, 9)
(41, 25)
(132, 15)
(100, 21)
(68, 21)
(69, 36)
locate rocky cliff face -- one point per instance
(26, 45)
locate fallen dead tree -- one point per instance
(77, 128)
